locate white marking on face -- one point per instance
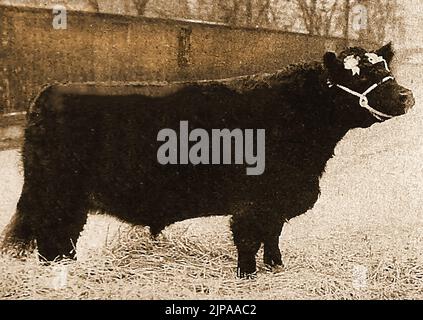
(374, 59)
(351, 63)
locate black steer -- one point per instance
(94, 147)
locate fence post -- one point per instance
(184, 46)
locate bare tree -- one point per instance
(336, 17)
(263, 16)
(170, 9)
(347, 13)
(184, 9)
(229, 11)
(379, 21)
(251, 13)
(140, 6)
(94, 5)
(318, 15)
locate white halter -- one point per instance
(364, 101)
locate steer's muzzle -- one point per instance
(407, 99)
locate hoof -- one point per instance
(276, 268)
(52, 258)
(272, 261)
(246, 275)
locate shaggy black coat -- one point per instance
(94, 146)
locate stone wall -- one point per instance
(105, 47)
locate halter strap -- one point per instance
(364, 101)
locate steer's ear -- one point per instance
(331, 62)
(387, 52)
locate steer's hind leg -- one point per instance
(272, 255)
(63, 219)
(247, 242)
(52, 215)
(56, 203)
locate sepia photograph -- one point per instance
(211, 150)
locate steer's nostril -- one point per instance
(407, 98)
(408, 101)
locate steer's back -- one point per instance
(109, 135)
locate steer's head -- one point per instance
(363, 87)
